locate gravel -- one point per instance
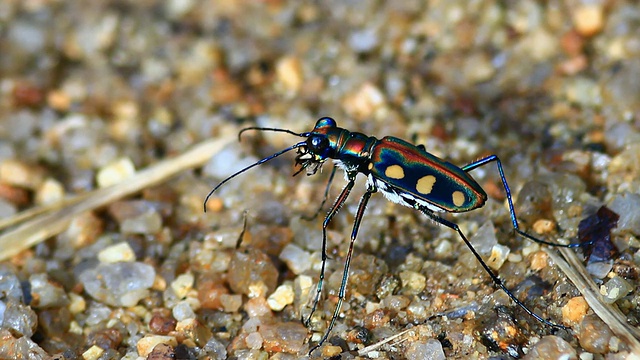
(93, 92)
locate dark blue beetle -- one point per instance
(405, 174)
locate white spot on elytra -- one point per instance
(394, 172)
(425, 184)
(458, 198)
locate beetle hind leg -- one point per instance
(496, 280)
(512, 211)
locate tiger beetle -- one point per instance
(405, 174)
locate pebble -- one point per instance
(83, 230)
(514, 258)
(252, 273)
(572, 43)
(222, 239)
(331, 351)
(499, 254)
(194, 330)
(396, 302)
(288, 337)
(377, 318)
(364, 101)
(115, 172)
(183, 284)
(594, 335)
(539, 44)
(297, 260)
(22, 348)
(614, 289)
(429, 349)
(574, 310)
(302, 287)
(109, 338)
(387, 286)
(618, 137)
(215, 205)
(588, 18)
(257, 307)
(97, 313)
(551, 347)
(544, 226)
(499, 331)
(125, 125)
(358, 335)
(443, 249)
(418, 310)
(216, 349)
(306, 236)
(289, 73)
(162, 325)
(159, 283)
(10, 286)
(54, 321)
(46, 293)
(176, 9)
(227, 161)
(252, 324)
(254, 341)
(50, 191)
(478, 68)
(58, 100)
(584, 92)
(119, 284)
(93, 353)
(231, 303)
(412, 282)
(127, 209)
(271, 211)
(599, 270)
(10, 198)
(20, 319)
(209, 293)
(75, 328)
(575, 65)
(364, 274)
(280, 298)
(20, 174)
(183, 311)
(116, 253)
(626, 205)
(484, 239)
(77, 304)
(363, 41)
(149, 222)
(147, 343)
(539, 261)
(162, 352)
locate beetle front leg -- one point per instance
(334, 210)
(345, 273)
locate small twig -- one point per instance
(54, 220)
(245, 214)
(35, 211)
(610, 315)
(364, 351)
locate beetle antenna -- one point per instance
(259, 162)
(304, 134)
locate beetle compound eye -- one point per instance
(318, 144)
